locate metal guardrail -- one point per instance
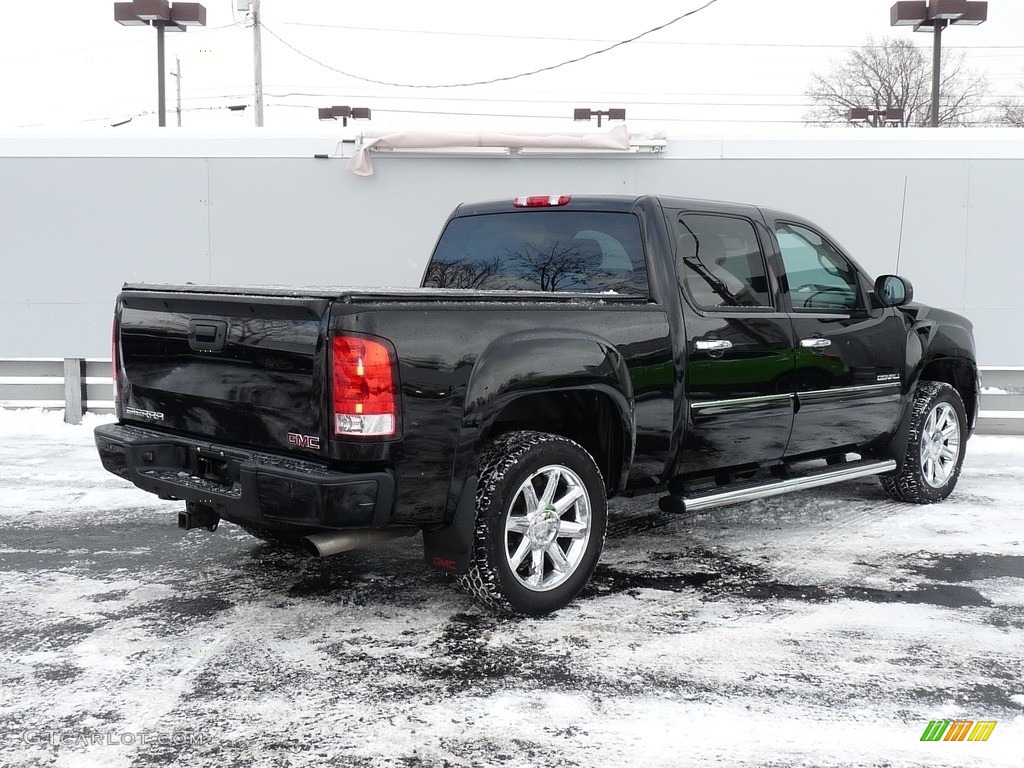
(73, 384)
(77, 385)
(1002, 400)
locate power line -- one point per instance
(664, 120)
(716, 102)
(504, 78)
(631, 99)
(562, 117)
(546, 38)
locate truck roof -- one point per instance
(591, 202)
(588, 201)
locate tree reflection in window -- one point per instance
(564, 251)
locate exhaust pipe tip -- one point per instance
(336, 542)
(311, 547)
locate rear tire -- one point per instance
(935, 446)
(541, 518)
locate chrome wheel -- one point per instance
(547, 528)
(541, 515)
(940, 445)
(936, 434)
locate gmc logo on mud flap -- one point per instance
(441, 562)
(304, 441)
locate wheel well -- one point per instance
(589, 418)
(960, 374)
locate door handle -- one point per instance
(207, 335)
(712, 345)
(815, 342)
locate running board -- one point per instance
(748, 491)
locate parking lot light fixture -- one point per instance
(934, 16)
(343, 113)
(162, 15)
(585, 114)
(890, 116)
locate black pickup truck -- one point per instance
(562, 350)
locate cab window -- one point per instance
(719, 262)
(557, 251)
(818, 277)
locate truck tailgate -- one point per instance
(246, 368)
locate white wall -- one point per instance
(79, 216)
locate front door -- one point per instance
(849, 356)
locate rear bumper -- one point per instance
(243, 485)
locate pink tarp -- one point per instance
(616, 138)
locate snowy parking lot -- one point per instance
(825, 628)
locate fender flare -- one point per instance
(929, 342)
(513, 367)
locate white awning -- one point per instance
(615, 139)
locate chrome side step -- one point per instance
(748, 491)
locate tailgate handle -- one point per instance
(207, 335)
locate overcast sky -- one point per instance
(736, 65)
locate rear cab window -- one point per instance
(720, 262)
(551, 251)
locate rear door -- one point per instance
(849, 356)
(739, 343)
(235, 368)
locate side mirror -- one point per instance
(893, 291)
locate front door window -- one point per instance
(818, 276)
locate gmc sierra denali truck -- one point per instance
(561, 351)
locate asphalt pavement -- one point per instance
(827, 628)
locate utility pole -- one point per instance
(257, 61)
(177, 75)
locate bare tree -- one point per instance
(1009, 111)
(894, 73)
(463, 273)
(558, 266)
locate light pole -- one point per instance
(162, 15)
(936, 15)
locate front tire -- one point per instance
(541, 519)
(935, 446)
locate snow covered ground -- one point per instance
(821, 629)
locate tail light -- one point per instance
(364, 386)
(115, 364)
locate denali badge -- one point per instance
(304, 441)
(142, 414)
